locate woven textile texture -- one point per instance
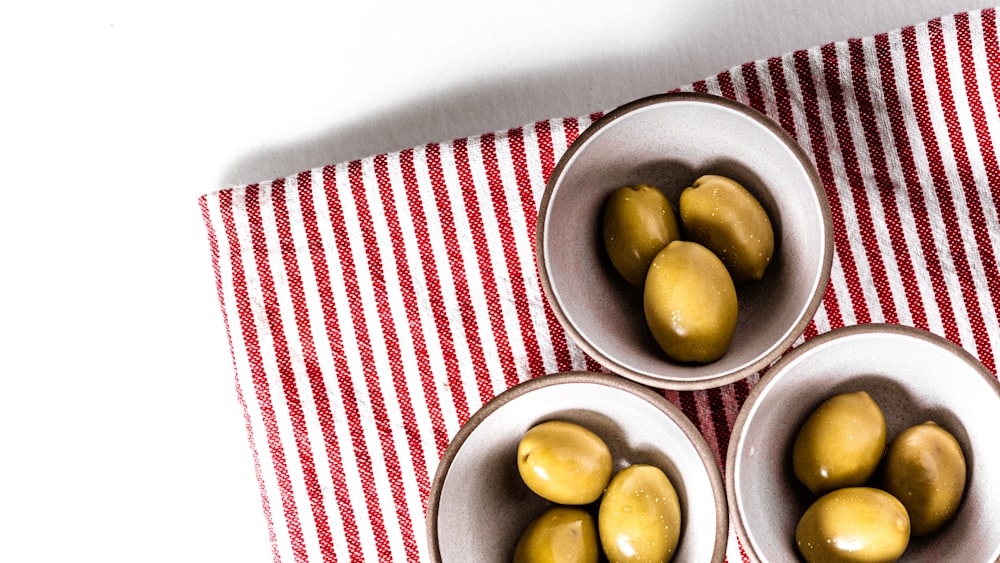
(372, 306)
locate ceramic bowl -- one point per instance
(479, 507)
(914, 376)
(668, 141)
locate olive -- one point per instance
(857, 524)
(690, 303)
(564, 462)
(925, 469)
(639, 518)
(840, 444)
(562, 534)
(638, 222)
(722, 215)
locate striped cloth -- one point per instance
(373, 305)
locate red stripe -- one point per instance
(911, 182)
(751, 82)
(529, 210)
(939, 173)
(343, 370)
(405, 282)
(421, 354)
(689, 406)
(821, 158)
(297, 294)
(533, 351)
(782, 97)
(546, 155)
(981, 226)
(720, 423)
(862, 209)
(571, 128)
(259, 376)
(786, 118)
(726, 87)
(321, 397)
(440, 314)
(488, 277)
(743, 554)
(214, 247)
(456, 263)
(885, 188)
(371, 375)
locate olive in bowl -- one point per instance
(670, 142)
(480, 509)
(913, 376)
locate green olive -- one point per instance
(638, 222)
(840, 444)
(722, 215)
(690, 303)
(562, 534)
(564, 462)
(639, 519)
(856, 524)
(925, 469)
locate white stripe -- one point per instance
(256, 433)
(414, 375)
(474, 276)
(895, 168)
(858, 244)
(984, 201)
(314, 318)
(944, 144)
(523, 252)
(495, 252)
(804, 138)
(290, 442)
(767, 91)
(918, 152)
(533, 158)
(324, 355)
(342, 313)
(382, 481)
(992, 120)
(560, 143)
(739, 85)
(886, 253)
(435, 354)
(445, 279)
(388, 376)
(242, 229)
(841, 289)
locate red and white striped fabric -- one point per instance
(373, 305)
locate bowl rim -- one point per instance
(657, 400)
(806, 314)
(849, 331)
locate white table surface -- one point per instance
(120, 434)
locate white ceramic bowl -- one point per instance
(914, 376)
(669, 141)
(478, 506)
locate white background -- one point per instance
(120, 435)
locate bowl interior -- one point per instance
(668, 141)
(913, 376)
(479, 506)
